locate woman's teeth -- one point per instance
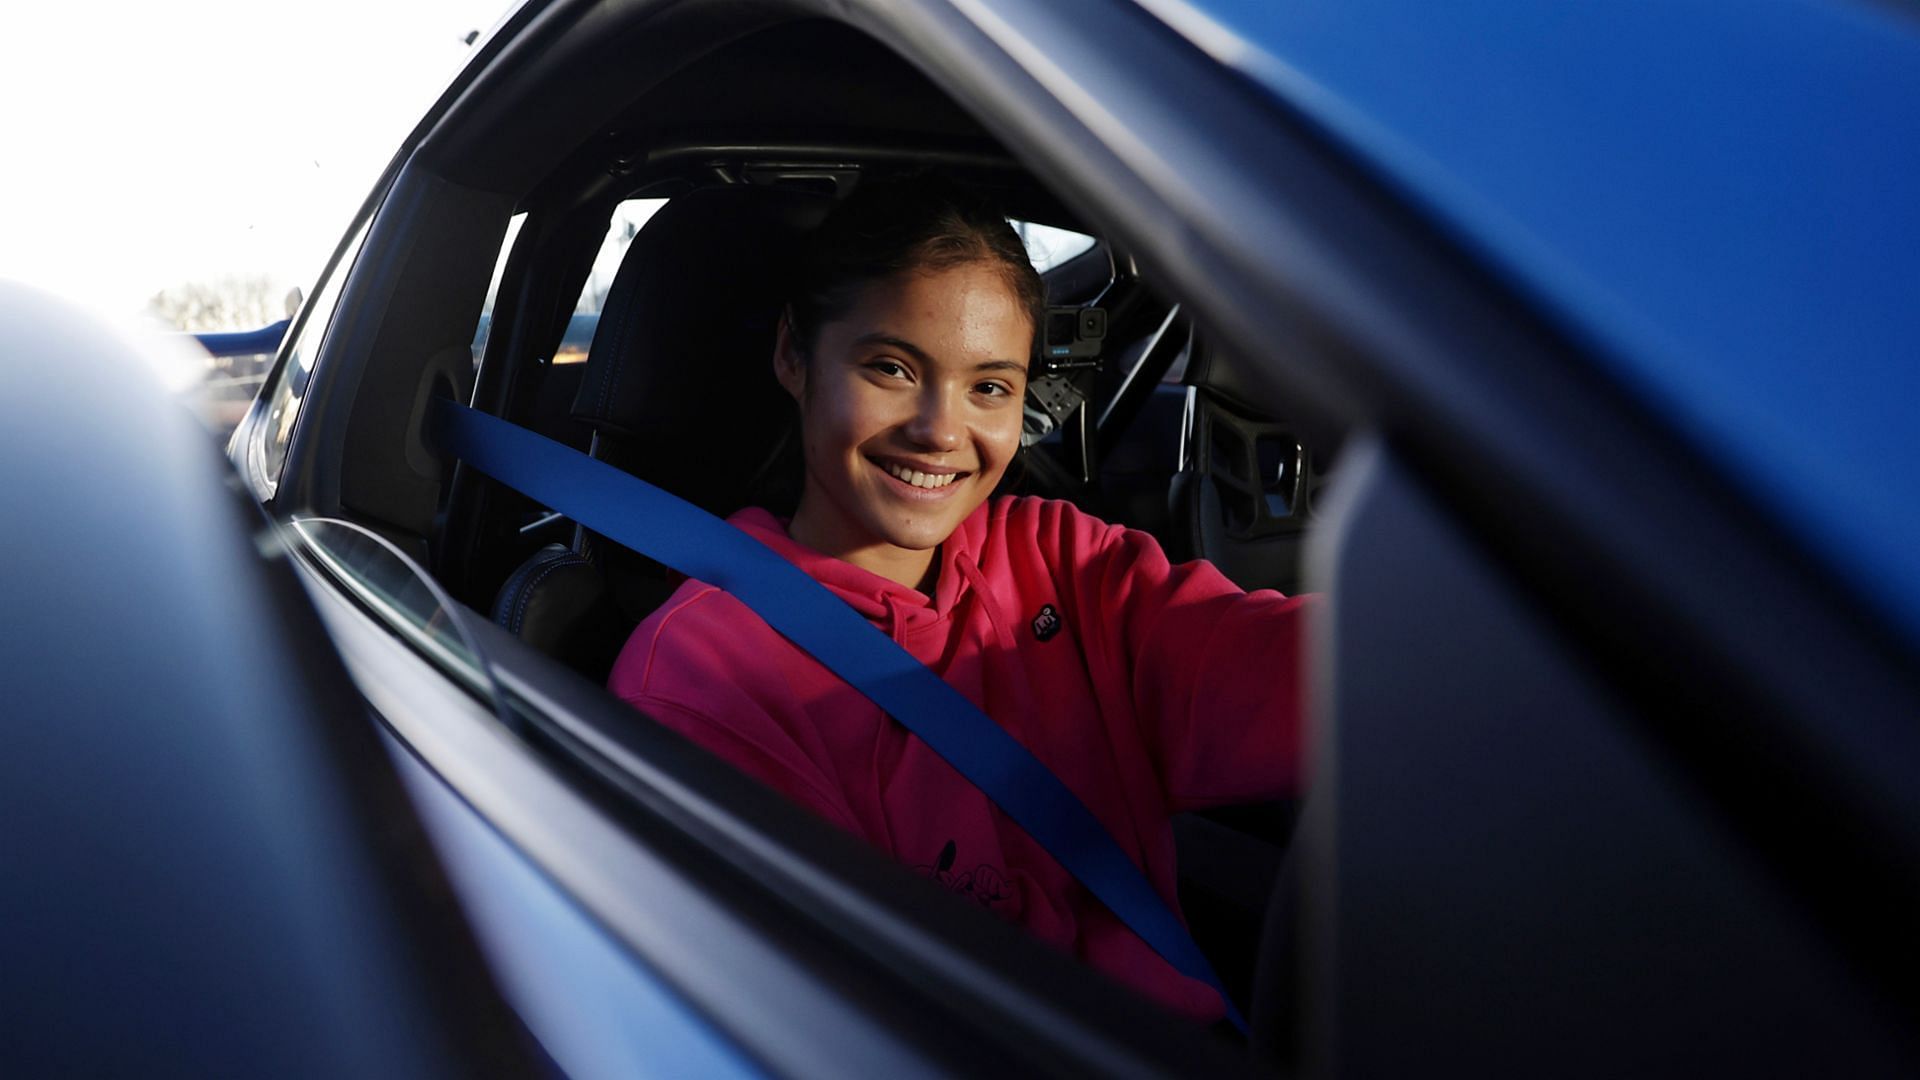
(920, 479)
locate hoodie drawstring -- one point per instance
(895, 621)
(1001, 624)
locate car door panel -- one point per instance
(1493, 838)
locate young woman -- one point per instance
(1147, 688)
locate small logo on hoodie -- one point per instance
(984, 885)
(1047, 623)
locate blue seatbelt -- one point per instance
(672, 531)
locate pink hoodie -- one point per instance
(1148, 689)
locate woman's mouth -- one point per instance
(918, 479)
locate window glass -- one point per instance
(283, 403)
(395, 590)
(485, 326)
(1048, 247)
(628, 219)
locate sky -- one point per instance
(146, 145)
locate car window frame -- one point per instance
(316, 318)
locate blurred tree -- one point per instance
(227, 302)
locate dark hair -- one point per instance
(891, 227)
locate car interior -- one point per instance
(1155, 430)
(732, 158)
(649, 179)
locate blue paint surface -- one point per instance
(1721, 199)
(597, 1011)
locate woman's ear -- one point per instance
(788, 365)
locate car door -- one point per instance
(209, 866)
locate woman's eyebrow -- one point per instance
(905, 346)
(924, 357)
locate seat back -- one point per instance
(679, 390)
(679, 385)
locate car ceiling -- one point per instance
(591, 105)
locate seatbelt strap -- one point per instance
(628, 510)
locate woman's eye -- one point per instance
(888, 368)
(993, 389)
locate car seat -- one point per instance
(678, 390)
(1245, 488)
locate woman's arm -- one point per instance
(700, 665)
(786, 772)
(1215, 673)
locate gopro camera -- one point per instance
(1074, 336)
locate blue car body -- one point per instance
(1716, 199)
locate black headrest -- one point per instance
(679, 381)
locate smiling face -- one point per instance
(910, 410)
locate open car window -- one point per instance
(1049, 245)
(629, 217)
(485, 326)
(1278, 305)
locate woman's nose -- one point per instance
(937, 424)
